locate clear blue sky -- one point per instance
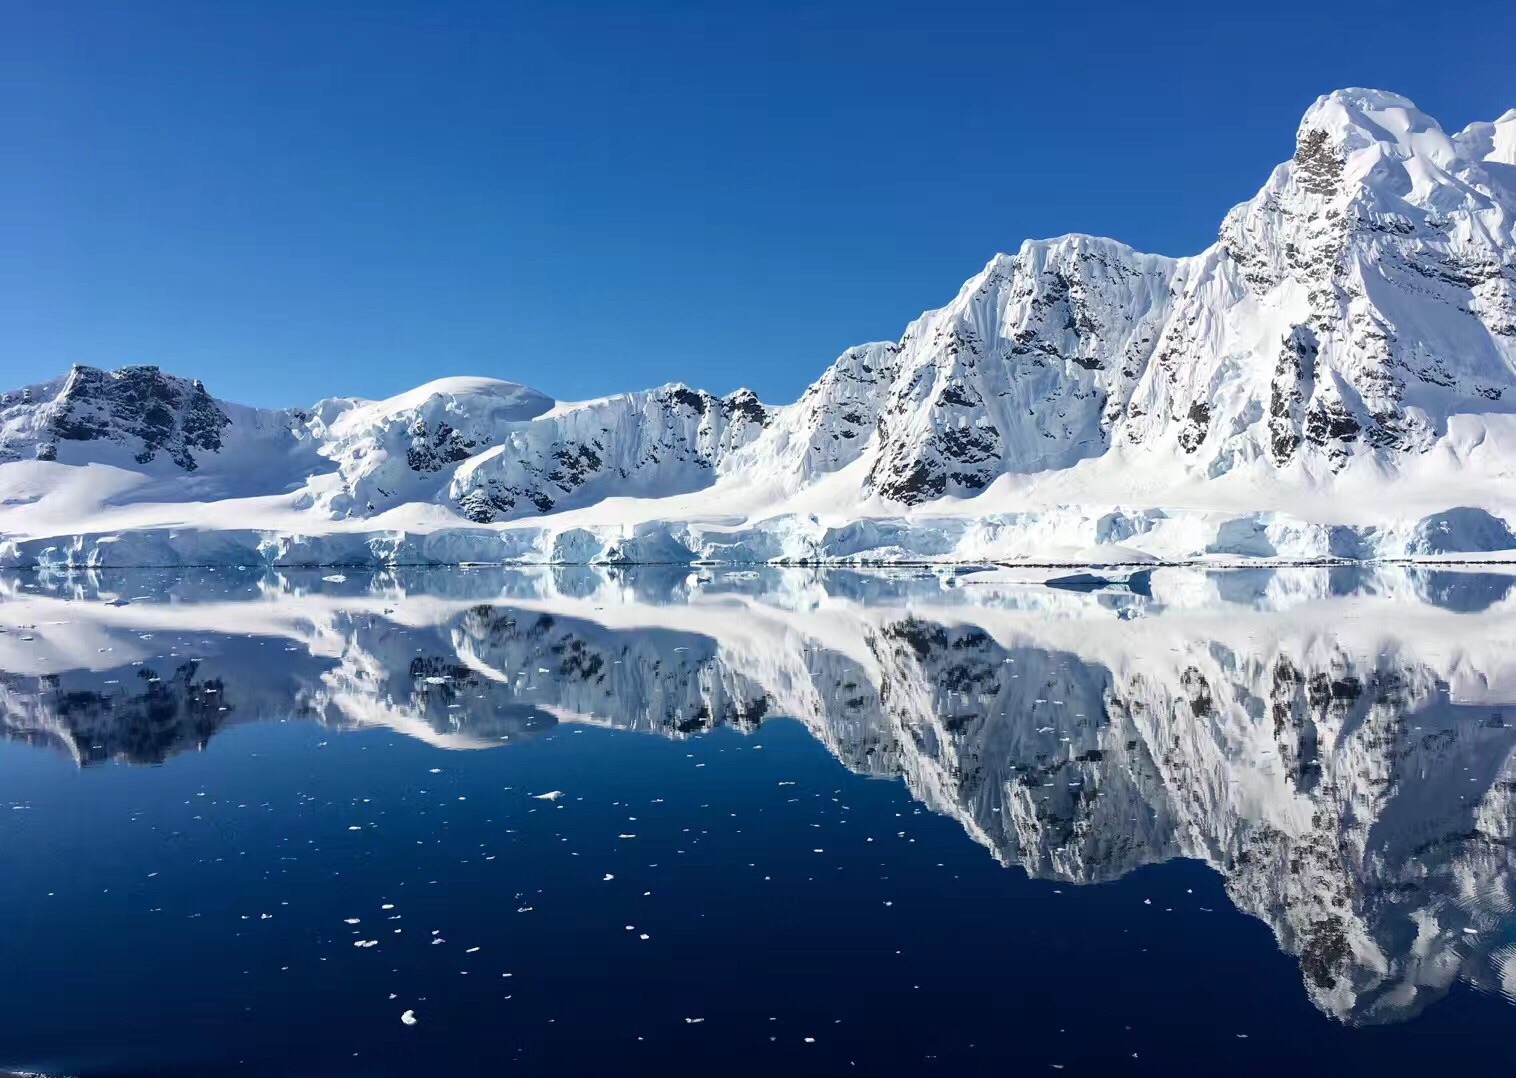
(297, 200)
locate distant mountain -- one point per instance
(1334, 377)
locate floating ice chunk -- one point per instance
(609, 877)
(409, 1018)
(551, 795)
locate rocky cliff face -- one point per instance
(649, 445)
(1029, 369)
(1362, 297)
(137, 409)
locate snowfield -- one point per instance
(1334, 378)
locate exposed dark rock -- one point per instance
(445, 446)
(141, 405)
(1197, 424)
(1326, 421)
(1294, 378)
(1318, 164)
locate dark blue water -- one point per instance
(727, 896)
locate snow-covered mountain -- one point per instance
(1335, 376)
(1337, 744)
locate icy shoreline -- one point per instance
(1053, 539)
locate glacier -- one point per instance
(1333, 379)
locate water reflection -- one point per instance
(1334, 742)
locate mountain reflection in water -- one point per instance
(1336, 742)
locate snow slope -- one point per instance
(1334, 377)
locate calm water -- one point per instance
(585, 821)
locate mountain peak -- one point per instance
(1360, 99)
(1366, 116)
(139, 409)
(1374, 135)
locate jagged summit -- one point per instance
(139, 409)
(1343, 357)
